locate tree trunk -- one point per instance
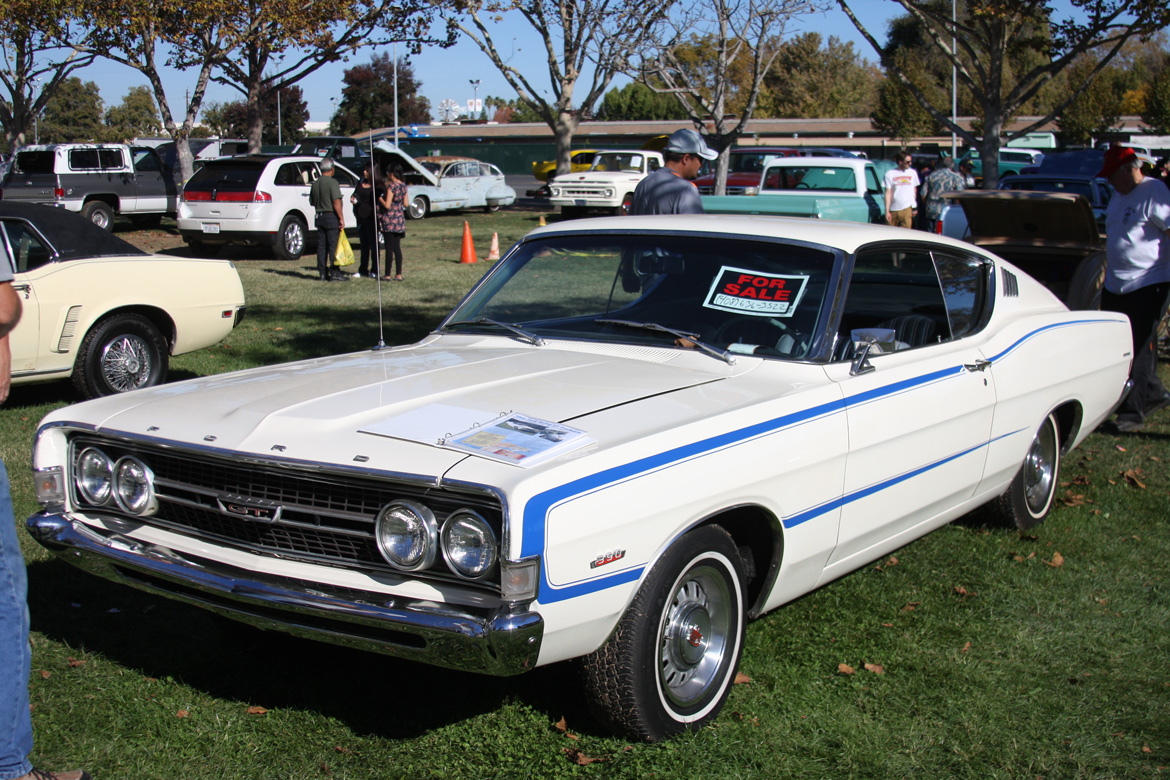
(563, 129)
(989, 146)
(255, 118)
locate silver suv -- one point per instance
(257, 200)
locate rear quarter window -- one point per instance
(95, 159)
(33, 162)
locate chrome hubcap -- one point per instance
(294, 239)
(126, 363)
(696, 630)
(1040, 469)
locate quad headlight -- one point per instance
(95, 475)
(469, 544)
(127, 482)
(407, 535)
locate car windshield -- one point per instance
(810, 178)
(720, 293)
(618, 161)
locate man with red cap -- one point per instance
(1137, 275)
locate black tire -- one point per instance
(418, 208)
(1084, 289)
(290, 240)
(99, 213)
(491, 208)
(120, 353)
(1029, 498)
(670, 664)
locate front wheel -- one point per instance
(627, 205)
(418, 207)
(670, 664)
(123, 352)
(1028, 499)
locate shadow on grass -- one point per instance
(371, 693)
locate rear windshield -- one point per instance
(229, 177)
(33, 162)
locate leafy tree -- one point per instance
(368, 97)
(1157, 112)
(713, 56)
(1098, 107)
(898, 113)
(73, 114)
(638, 102)
(177, 33)
(812, 80)
(39, 46)
(604, 35)
(230, 120)
(134, 117)
(283, 41)
(990, 35)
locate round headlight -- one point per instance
(469, 544)
(95, 475)
(134, 486)
(556, 192)
(609, 193)
(407, 535)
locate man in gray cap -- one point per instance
(668, 190)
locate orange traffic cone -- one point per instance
(468, 254)
(541, 223)
(494, 253)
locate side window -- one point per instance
(83, 159)
(653, 164)
(964, 286)
(895, 301)
(111, 159)
(27, 249)
(290, 175)
(872, 185)
(343, 178)
(308, 172)
(145, 161)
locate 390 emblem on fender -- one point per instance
(608, 557)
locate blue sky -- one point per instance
(445, 73)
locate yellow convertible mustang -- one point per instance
(98, 309)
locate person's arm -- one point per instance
(889, 199)
(9, 316)
(338, 208)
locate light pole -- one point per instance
(475, 99)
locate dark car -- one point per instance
(744, 169)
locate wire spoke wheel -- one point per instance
(126, 363)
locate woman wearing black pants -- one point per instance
(392, 220)
(364, 211)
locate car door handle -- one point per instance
(978, 365)
(24, 288)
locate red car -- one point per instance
(747, 163)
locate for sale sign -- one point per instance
(742, 291)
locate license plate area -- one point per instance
(210, 227)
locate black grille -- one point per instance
(323, 519)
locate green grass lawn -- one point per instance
(976, 652)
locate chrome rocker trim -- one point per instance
(499, 642)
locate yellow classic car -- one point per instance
(581, 160)
(98, 309)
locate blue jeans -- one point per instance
(16, 738)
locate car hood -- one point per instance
(999, 217)
(383, 149)
(327, 409)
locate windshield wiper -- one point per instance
(531, 338)
(678, 334)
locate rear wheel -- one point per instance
(1084, 289)
(1029, 498)
(627, 204)
(289, 243)
(670, 664)
(99, 213)
(123, 352)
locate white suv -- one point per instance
(257, 200)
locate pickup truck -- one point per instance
(817, 187)
(97, 180)
(609, 184)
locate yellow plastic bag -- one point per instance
(344, 254)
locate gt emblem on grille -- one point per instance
(256, 509)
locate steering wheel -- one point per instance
(763, 331)
(800, 185)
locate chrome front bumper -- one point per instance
(498, 642)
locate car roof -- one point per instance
(72, 235)
(847, 236)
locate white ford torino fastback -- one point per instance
(632, 435)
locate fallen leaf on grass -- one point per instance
(45, 674)
(845, 669)
(964, 592)
(74, 662)
(1146, 749)
(256, 710)
(1072, 499)
(910, 607)
(563, 727)
(1081, 480)
(580, 759)
(892, 561)
(741, 679)
(1133, 477)
(182, 714)
(875, 668)
(1057, 560)
(340, 749)
(966, 647)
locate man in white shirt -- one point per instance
(1137, 275)
(901, 185)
